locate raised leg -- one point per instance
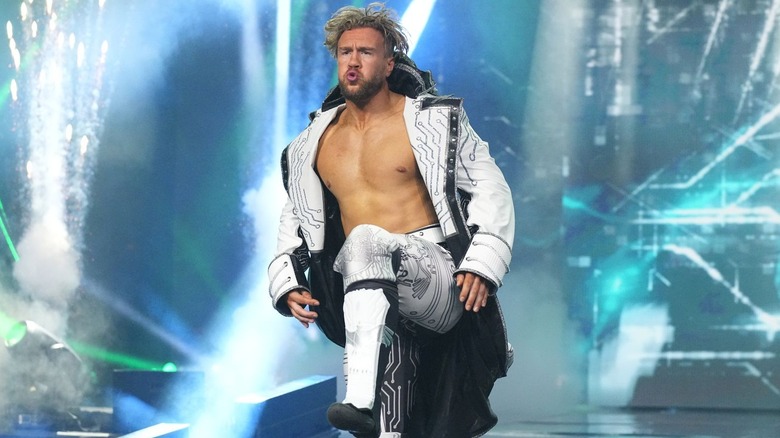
(370, 319)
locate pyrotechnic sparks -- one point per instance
(60, 89)
(84, 144)
(58, 93)
(14, 90)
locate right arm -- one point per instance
(288, 286)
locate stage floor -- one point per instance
(616, 423)
(646, 423)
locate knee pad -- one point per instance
(367, 254)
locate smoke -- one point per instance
(549, 373)
(546, 375)
(643, 332)
(46, 247)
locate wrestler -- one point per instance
(405, 224)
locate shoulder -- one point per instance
(427, 101)
(309, 137)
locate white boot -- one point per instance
(365, 313)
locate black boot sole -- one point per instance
(345, 416)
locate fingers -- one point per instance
(473, 291)
(298, 302)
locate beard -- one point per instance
(366, 89)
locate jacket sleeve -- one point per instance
(490, 209)
(286, 272)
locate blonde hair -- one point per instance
(375, 16)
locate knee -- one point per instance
(367, 254)
(368, 238)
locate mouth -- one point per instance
(352, 76)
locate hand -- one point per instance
(473, 290)
(297, 301)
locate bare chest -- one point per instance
(374, 158)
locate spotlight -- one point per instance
(48, 378)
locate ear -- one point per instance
(390, 66)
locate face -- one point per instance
(363, 65)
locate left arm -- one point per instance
(491, 211)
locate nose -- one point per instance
(354, 60)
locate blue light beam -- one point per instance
(415, 19)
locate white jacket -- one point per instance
(470, 195)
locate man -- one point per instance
(406, 225)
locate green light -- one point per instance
(15, 334)
(6, 235)
(113, 357)
(7, 326)
(170, 367)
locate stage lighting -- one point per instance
(47, 377)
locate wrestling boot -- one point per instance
(371, 318)
(359, 422)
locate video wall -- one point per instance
(672, 204)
